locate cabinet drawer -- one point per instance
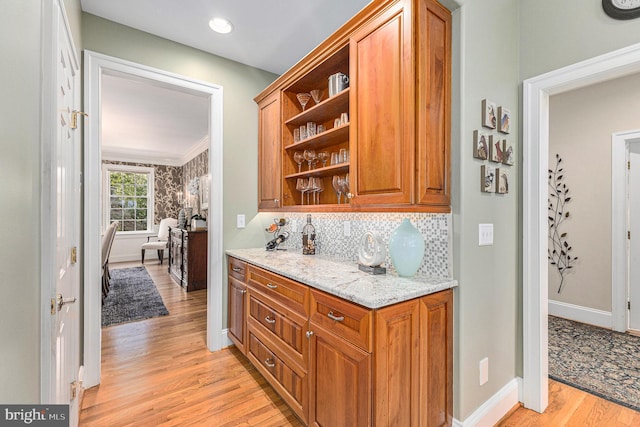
(291, 385)
(284, 327)
(237, 269)
(347, 320)
(292, 294)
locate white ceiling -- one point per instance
(143, 118)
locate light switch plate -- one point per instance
(485, 234)
(240, 221)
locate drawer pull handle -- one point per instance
(332, 316)
(268, 319)
(269, 363)
(272, 286)
(236, 269)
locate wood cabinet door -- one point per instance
(269, 153)
(433, 100)
(237, 313)
(339, 382)
(436, 359)
(397, 376)
(382, 109)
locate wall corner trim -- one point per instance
(496, 407)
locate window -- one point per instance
(129, 197)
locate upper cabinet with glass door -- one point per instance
(363, 120)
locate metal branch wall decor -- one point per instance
(559, 251)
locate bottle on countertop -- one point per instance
(308, 238)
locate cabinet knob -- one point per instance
(350, 195)
(244, 291)
(332, 316)
(275, 200)
(309, 334)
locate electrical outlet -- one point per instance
(484, 370)
(240, 221)
(485, 234)
(347, 228)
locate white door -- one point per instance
(634, 229)
(62, 181)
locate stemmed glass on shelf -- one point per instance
(323, 156)
(298, 157)
(302, 185)
(344, 186)
(337, 186)
(310, 156)
(303, 98)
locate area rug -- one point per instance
(596, 360)
(132, 296)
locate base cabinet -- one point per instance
(188, 258)
(336, 363)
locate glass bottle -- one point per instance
(308, 238)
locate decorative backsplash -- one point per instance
(435, 228)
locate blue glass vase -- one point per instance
(406, 249)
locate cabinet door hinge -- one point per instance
(628, 305)
(629, 235)
(629, 164)
(74, 391)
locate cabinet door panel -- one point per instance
(269, 153)
(436, 359)
(433, 64)
(237, 313)
(340, 382)
(382, 81)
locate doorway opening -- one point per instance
(536, 92)
(96, 67)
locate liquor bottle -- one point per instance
(308, 238)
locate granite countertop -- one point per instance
(343, 278)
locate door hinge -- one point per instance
(74, 255)
(629, 164)
(629, 235)
(54, 304)
(74, 390)
(628, 305)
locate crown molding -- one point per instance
(200, 147)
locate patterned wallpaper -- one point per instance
(435, 228)
(195, 167)
(169, 180)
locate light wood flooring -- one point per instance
(158, 372)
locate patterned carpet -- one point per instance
(132, 296)
(596, 360)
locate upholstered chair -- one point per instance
(162, 239)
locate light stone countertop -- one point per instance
(343, 278)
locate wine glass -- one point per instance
(323, 156)
(337, 186)
(319, 188)
(303, 98)
(344, 186)
(302, 185)
(298, 157)
(313, 187)
(310, 156)
(316, 94)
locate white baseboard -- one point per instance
(226, 342)
(491, 411)
(577, 313)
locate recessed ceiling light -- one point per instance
(220, 25)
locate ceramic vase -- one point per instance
(181, 219)
(406, 249)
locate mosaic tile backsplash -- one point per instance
(435, 229)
